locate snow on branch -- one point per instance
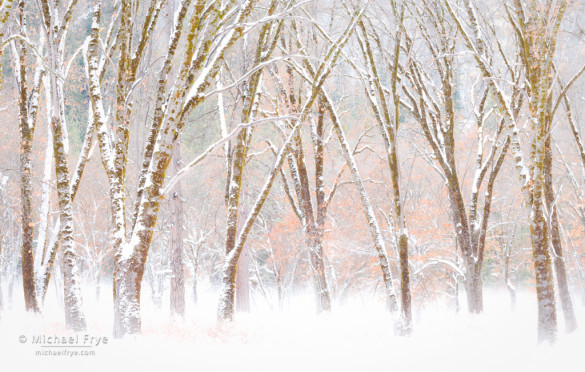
(183, 171)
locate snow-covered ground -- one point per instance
(356, 336)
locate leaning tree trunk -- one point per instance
(265, 47)
(177, 264)
(390, 292)
(228, 292)
(74, 316)
(389, 128)
(233, 204)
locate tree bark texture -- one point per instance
(177, 247)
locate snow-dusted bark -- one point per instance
(198, 69)
(158, 117)
(26, 135)
(538, 50)
(48, 71)
(237, 160)
(559, 260)
(556, 243)
(43, 242)
(388, 121)
(74, 315)
(322, 202)
(5, 7)
(47, 259)
(177, 250)
(28, 107)
(44, 233)
(113, 140)
(116, 191)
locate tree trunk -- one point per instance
(26, 193)
(74, 316)
(226, 306)
(322, 288)
(28, 276)
(318, 132)
(194, 275)
(389, 129)
(509, 285)
(1, 280)
(177, 264)
(473, 289)
(561, 275)
(314, 247)
(243, 282)
(405, 297)
(547, 316)
(131, 255)
(456, 293)
(194, 288)
(127, 286)
(234, 187)
(392, 303)
(98, 290)
(556, 244)
(225, 309)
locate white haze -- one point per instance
(356, 336)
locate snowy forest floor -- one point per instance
(356, 336)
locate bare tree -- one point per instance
(236, 160)
(49, 56)
(199, 65)
(74, 314)
(430, 97)
(536, 29)
(385, 102)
